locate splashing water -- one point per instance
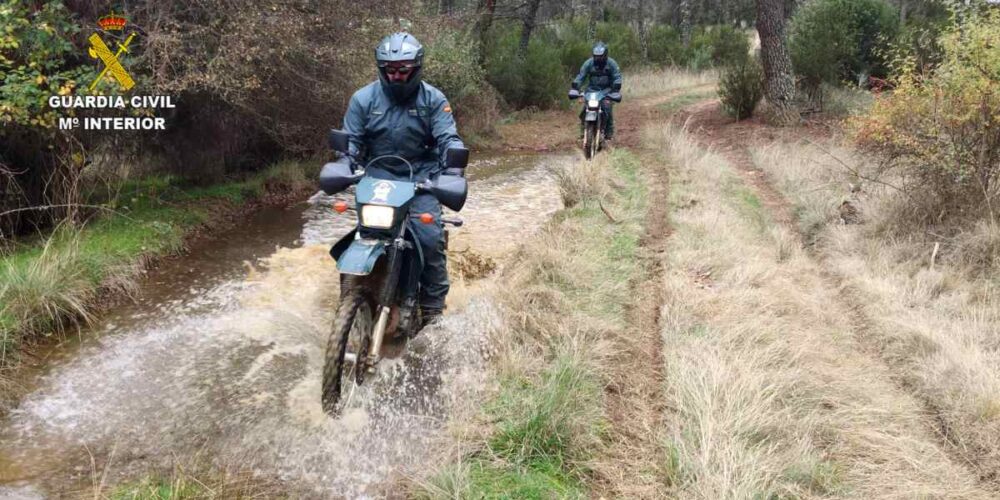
(232, 372)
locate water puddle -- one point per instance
(220, 361)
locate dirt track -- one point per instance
(708, 125)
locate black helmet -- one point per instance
(600, 54)
(400, 47)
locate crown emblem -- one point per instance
(112, 22)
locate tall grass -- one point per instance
(771, 394)
(44, 290)
(566, 302)
(931, 299)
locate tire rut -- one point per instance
(732, 141)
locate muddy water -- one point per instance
(219, 362)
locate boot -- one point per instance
(429, 315)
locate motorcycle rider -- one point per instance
(601, 73)
(400, 114)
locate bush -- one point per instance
(665, 45)
(834, 41)
(717, 46)
(940, 133)
(741, 87)
(538, 81)
(623, 43)
(452, 66)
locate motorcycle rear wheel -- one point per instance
(352, 328)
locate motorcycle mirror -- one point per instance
(339, 141)
(456, 158)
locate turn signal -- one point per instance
(340, 206)
(426, 218)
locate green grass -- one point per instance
(159, 489)
(685, 99)
(549, 422)
(47, 280)
(748, 204)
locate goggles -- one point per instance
(403, 70)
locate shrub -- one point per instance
(452, 66)
(841, 40)
(539, 80)
(741, 87)
(623, 43)
(717, 46)
(665, 45)
(939, 133)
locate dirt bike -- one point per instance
(379, 262)
(593, 118)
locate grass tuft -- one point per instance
(565, 302)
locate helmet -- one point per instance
(600, 54)
(400, 47)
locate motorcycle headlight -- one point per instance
(592, 103)
(377, 216)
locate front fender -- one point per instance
(591, 116)
(360, 257)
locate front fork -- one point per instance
(387, 297)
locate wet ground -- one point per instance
(219, 361)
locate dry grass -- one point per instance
(771, 394)
(935, 323)
(664, 81)
(564, 297)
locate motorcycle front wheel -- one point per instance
(590, 140)
(348, 345)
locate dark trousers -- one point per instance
(434, 283)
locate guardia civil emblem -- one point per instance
(113, 26)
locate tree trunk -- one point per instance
(643, 33)
(686, 23)
(529, 26)
(485, 9)
(779, 86)
(595, 13)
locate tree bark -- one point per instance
(686, 23)
(643, 33)
(485, 9)
(779, 85)
(528, 27)
(595, 13)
